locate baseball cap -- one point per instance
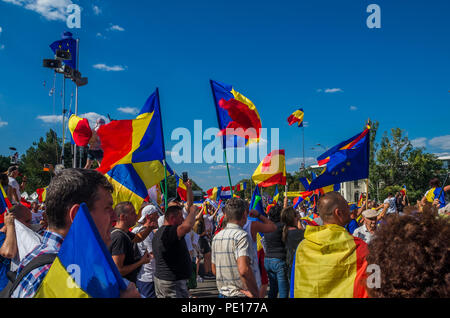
(370, 213)
(147, 210)
(12, 168)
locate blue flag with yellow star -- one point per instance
(69, 44)
(347, 161)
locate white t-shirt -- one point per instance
(15, 185)
(392, 206)
(208, 222)
(147, 270)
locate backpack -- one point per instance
(14, 282)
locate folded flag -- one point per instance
(238, 118)
(347, 161)
(272, 170)
(329, 263)
(84, 254)
(181, 188)
(296, 117)
(80, 130)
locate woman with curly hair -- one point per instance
(413, 252)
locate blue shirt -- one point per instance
(352, 226)
(4, 265)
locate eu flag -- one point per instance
(68, 44)
(345, 162)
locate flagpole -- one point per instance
(228, 171)
(303, 133)
(164, 152)
(64, 115)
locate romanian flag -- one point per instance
(5, 205)
(434, 193)
(329, 263)
(361, 201)
(403, 191)
(276, 195)
(80, 130)
(84, 254)
(137, 142)
(181, 188)
(272, 170)
(296, 117)
(42, 194)
(347, 161)
(214, 193)
(238, 118)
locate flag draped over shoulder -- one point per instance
(272, 170)
(345, 162)
(68, 44)
(134, 153)
(329, 263)
(83, 253)
(80, 130)
(296, 117)
(238, 118)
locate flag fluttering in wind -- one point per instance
(347, 161)
(329, 263)
(68, 44)
(83, 253)
(134, 153)
(276, 195)
(214, 193)
(272, 170)
(238, 118)
(80, 130)
(296, 117)
(181, 188)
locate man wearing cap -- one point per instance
(95, 151)
(367, 230)
(123, 248)
(145, 279)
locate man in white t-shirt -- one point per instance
(389, 206)
(145, 280)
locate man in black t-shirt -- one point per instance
(123, 249)
(172, 258)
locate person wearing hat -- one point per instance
(95, 152)
(367, 230)
(145, 279)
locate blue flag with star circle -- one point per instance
(69, 44)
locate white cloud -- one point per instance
(218, 167)
(306, 124)
(51, 119)
(419, 142)
(104, 67)
(1, 30)
(116, 28)
(353, 108)
(2, 47)
(52, 10)
(96, 10)
(92, 118)
(3, 123)
(333, 90)
(442, 142)
(128, 110)
(99, 35)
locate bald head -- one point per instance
(333, 209)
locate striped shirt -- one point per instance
(227, 246)
(51, 244)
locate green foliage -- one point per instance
(5, 162)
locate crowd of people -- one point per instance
(290, 252)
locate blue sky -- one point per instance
(318, 55)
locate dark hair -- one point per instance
(72, 186)
(288, 217)
(172, 210)
(435, 183)
(413, 252)
(123, 208)
(275, 213)
(235, 209)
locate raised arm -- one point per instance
(189, 222)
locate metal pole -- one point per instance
(63, 119)
(76, 112)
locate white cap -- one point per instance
(147, 210)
